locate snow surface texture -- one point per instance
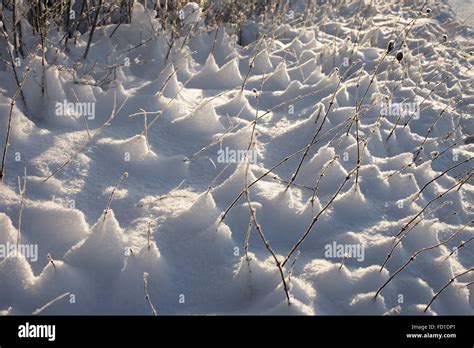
(182, 177)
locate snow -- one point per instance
(169, 217)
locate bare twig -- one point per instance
(112, 194)
(41, 309)
(147, 296)
(22, 190)
(446, 286)
(9, 126)
(415, 255)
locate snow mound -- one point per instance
(268, 164)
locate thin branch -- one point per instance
(147, 296)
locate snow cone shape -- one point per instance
(339, 286)
(278, 211)
(7, 231)
(364, 303)
(130, 290)
(54, 228)
(211, 77)
(296, 47)
(203, 120)
(301, 133)
(168, 82)
(102, 254)
(23, 129)
(191, 13)
(229, 75)
(59, 279)
(262, 63)
(322, 162)
(303, 71)
(16, 275)
(308, 55)
(261, 290)
(32, 85)
(278, 80)
(352, 207)
(238, 106)
(200, 252)
(292, 91)
(233, 185)
(312, 207)
(197, 238)
(149, 256)
(316, 76)
(309, 47)
(205, 78)
(54, 81)
(135, 148)
(148, 259)
(193, 216)
(366, 84)
(234, 146)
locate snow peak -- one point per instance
(37, 331)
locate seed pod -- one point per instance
(390, 46)
(400, 56)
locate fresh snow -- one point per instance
(165, 218)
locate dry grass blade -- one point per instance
(50, 303)
(112, 194)
(9, 126)
(445, 287)
(22, 191)
(415, 255)
(147, 296)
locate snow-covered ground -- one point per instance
(464, 9)
(331, 84)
